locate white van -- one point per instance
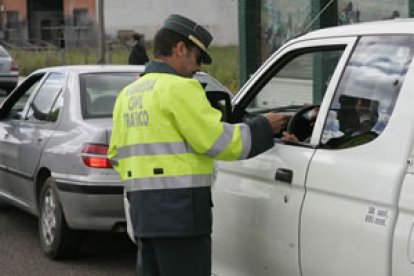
(340, 200)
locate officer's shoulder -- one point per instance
(172, 82)
(186, 82)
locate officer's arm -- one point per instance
(202, 129)
(261, 134)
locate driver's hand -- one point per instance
(278, 121)
(290, 137)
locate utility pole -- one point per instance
(101, 32)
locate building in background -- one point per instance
(259, 27)
(58, 22)
(72, 23)
(147, 16)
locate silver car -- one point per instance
(9, 71)
(54, 135)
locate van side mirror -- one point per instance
(221, 101)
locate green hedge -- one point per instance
(225, 66)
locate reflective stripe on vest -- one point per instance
(247, 141)
(153, 149)
(171, 182)
(226, 137)
(181, 147)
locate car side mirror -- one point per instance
(221, 101)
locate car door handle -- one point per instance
(284, 175)
(6, 136)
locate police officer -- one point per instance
(164, 141)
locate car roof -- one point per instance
(81, 69)
(209, 82)
(385, 27)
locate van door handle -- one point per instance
(284, 175)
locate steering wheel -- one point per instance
(301, 123)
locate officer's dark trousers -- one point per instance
(181, 256)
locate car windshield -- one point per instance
(99, 92)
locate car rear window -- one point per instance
(99, 92)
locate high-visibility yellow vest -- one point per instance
(166, 135)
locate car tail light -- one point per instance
(14, 66)
(94, 156)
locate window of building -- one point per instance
(12, 19)
(80, 17)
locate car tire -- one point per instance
(58, 241)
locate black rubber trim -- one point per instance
(16, 173)
(89, 189)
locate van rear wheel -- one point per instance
(56, 238)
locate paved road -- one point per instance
(20, 253)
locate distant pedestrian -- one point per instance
(138, 55)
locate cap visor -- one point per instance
(206, 59)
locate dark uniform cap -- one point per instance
(192, 31)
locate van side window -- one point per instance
(296, 86)
(368, 90)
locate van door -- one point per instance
(258, 202)
(354, 179)
(403, 245)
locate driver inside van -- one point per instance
(356, 118)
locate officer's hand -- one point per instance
(278, 121)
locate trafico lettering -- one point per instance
(137, 118)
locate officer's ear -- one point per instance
(180, 49)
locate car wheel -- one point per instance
(56, 238)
